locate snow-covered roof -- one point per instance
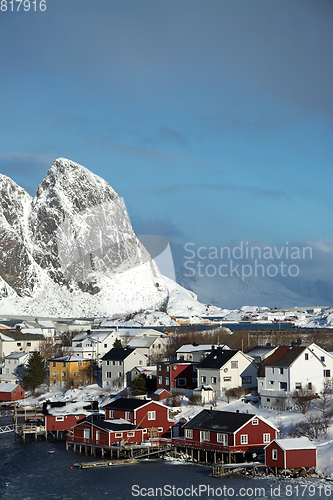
(142, 342)
(159, 391)
(193, 348)
(68, 359)
(17, 355)
(5, 338)
(7, 387)
(301, 443)
(204, 388)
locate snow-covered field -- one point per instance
(282, 420)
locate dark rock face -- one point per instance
(75, 230)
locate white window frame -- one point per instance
(267, 437)
(204, 436)
(118, 435)
(222, 438)
(111, 413)
(189, 433)
(244, 439)
(274, 454)
(214, 380)
(160, 429)
(255, 421)
(152, 415)
(130, 434)
(127, 415)
(60, 419)
(183, 384)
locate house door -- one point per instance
(153, 432)
(97, 435)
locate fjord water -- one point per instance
(43, 471)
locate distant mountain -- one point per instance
(71, 251)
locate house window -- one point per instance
(246, 380)
(203, 379)
(194, 368)
(118, 435)
(151, 415)
(130, 434)
(113, 362)
(194, 380)
(234, 364)
(281, 371)
(166, 380)
(222, 438)
(310, 386)
(18, 344)
(160, 380)
(283, 386)
(322, 358)
(181, 382)
(119, 362)
(268, 400)
(119, 374)
(86, 433)
(255, 421)
(63, 374)
(105, 346)
(271, 382)
(54, 364)
(226, 379)
(79, 363)
(327, 373)
(159, 368)
(168, 368)
(127, 415)
(306, 356)
(273, 370)
(64, 364)
(108, 375)
(267, 438)
(140, 361)
(160, 429)
(204, 436)
(274, 454)
(144, 431)
(298, 385)
(29, 344)
(213, 379)
(111, 413)
(75, 374)
(54, 373)
(243, 438)
(59, 419)
(189, 433)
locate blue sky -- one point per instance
(213, 119)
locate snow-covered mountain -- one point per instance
(71, 251)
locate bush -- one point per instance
(195, 400)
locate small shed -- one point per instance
(291, 453)
(161, 394)
(206, 392)
(11, 392)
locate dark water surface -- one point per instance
(34, 471)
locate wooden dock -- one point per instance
(225, 470)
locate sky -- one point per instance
(212, 119)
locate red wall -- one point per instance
(294, 458)
(61, 425)
(255, 433)
(106, 438)
(15, 395)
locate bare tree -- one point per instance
(303, 399)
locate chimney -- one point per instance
(237, 411)
(219, 351)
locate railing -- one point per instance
(212, 446)
(6, 428)
(79, 440)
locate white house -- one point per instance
(225, 369)
(117, 365)
(13, 366)
(18, 342)
(93, 344)
(152, 346)
(291, 368)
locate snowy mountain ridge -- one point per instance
(71, 251)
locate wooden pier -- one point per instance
(105, 463)
(221, 471)
(29, 421)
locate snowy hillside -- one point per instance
(71, 251)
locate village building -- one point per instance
(177, 376)
(106, 433)
(93, 344)
(117, 365)
(60, 417)
(152, 416)
(67, 370)
(10, 392)
(16, 341)
(152, 346)
(14, 365)
(291, 368)
(261, 352)
(195, 352)
(228, 432)
(226, 369)
(206, 394)
(161, 394)
(291, 453)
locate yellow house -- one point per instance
(68, 370)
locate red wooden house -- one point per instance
(176, 375)
(62, 416)
(228, 432)
(291, 453)
(10, 392)
(102, 433)
(152, 416)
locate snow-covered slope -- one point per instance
(71, 251)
